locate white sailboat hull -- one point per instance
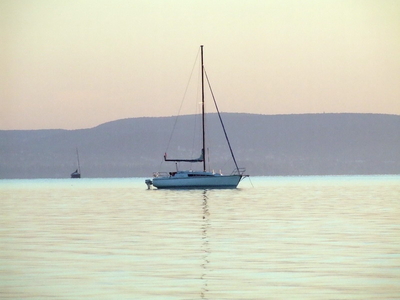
(215, 182)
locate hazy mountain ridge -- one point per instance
(307, 144)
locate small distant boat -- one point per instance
(198, 179)
(77, 173)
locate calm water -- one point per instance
(284, 238)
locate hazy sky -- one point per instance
(79, 63)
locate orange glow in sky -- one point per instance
(77, 64)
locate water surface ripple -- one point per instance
(333, 237)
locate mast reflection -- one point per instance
(205, 246)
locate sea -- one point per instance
(306, 237)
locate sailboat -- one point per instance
(77, 173)
(198, 179)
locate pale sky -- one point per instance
(79, 63)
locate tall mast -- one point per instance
(77, 156)
(202, 110)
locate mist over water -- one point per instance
(333, 237)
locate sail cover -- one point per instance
(200, 159)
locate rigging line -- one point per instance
(183, 98)
(222, 123)
(250, 181)
(196, 117)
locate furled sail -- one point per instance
(200, 159)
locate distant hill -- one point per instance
(307, 144)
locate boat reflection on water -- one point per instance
(205, 246)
